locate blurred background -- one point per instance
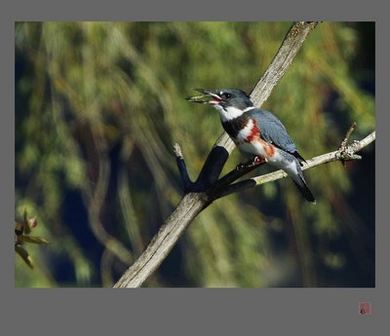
(98, 107)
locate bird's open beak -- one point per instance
(207, 97)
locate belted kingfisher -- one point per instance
(256, 132)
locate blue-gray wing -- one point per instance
(273, 131)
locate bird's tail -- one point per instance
(301, 184)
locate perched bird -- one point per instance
(256, 132)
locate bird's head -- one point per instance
(231, 103)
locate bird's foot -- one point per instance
(255, 161)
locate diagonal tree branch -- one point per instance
(199, 194)
(282, 60)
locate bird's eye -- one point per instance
(226, 95)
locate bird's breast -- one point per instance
(242, 129)
(249, 139)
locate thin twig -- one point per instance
(347, 154)
(343, 145)
(347, 136)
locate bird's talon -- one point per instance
(251, 163)
(257, 160)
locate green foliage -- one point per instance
(98, 106)
(23, 228)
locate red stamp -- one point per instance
(365, 308)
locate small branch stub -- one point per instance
(177, 151)
(345, 152)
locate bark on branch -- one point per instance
(208, 186)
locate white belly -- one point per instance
(277, 160)
(253, 148)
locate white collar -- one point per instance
(249, 108)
